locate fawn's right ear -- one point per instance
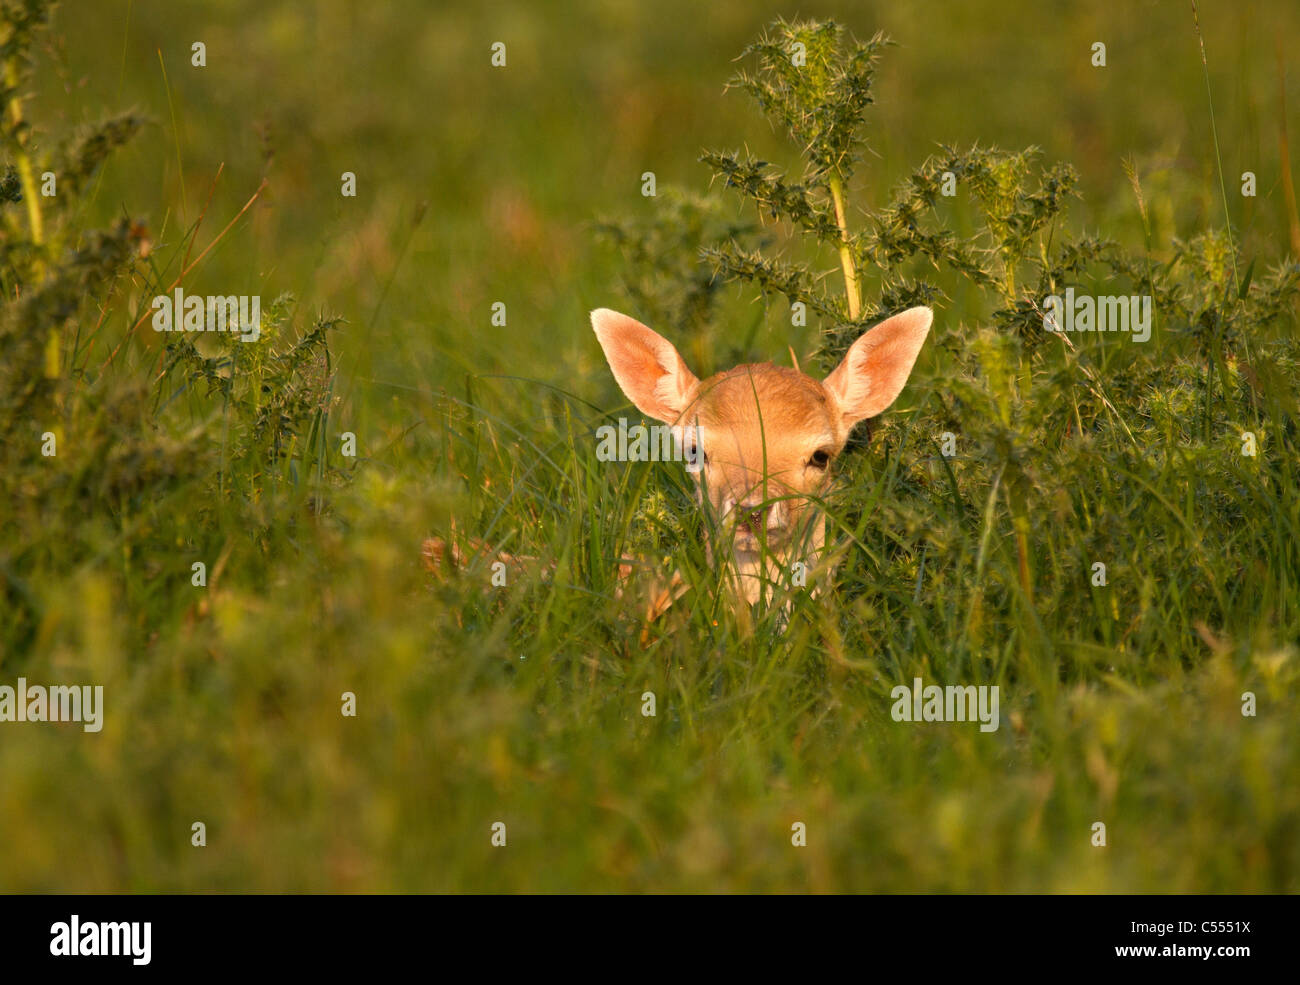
(877, 365)
(645, 365)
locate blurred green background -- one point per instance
(514, 164)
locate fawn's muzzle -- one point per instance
(753, 517)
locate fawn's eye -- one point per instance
(820, 459)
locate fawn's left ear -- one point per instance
(878, 364)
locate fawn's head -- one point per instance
(766, 434)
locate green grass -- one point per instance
(1120, 704)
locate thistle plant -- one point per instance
(814, 83)
(991, 223)
(48, 266)
(89, 442)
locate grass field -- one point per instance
(1121, 704)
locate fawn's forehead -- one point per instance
(764, 399)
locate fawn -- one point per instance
(761, 437)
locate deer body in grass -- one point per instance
(763, 437)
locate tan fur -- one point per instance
(760, 425)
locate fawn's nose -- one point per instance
(751, 513)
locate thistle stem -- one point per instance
(27, 178)
(846, 254)
(25, 174)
